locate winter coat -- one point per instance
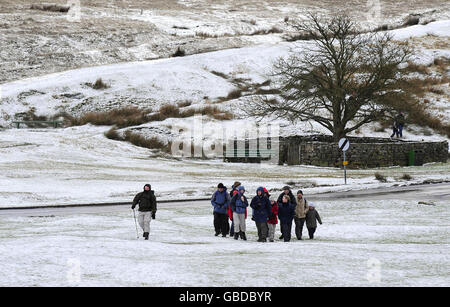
(302, 208)
(286, 212)
(220, 201)
(311, 218)
(291, 196)
(146, 201)
(261, 207)
(237, 205)
(274, 219)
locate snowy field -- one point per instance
(361, 243)
(80, 165)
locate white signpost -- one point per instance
(344, 144)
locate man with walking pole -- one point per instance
(147, 208)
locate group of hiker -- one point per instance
(397, 127)
(266, 213)
(233, 206)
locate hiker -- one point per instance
(147, 208)
(261, 212)
(311, 217)
(394, 130)
(300, 214)
(273, 219)
(220, 200)
(239, 204)
(286, 212)
(233, 192)
(286, 191)
(400, 119)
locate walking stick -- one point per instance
(135, 223)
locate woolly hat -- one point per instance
(299, 192)
(221, 186)
(286, 187)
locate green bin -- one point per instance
(411, 158)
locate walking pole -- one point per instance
(135, 223)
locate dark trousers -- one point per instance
(311, 231)
(299, 227)
(286, 228)
(263, 230)
(231, 228)
(221, 223)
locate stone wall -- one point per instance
(363, 152)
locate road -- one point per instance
(427, 193)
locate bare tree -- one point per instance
(343, 80)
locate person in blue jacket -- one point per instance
(286, 213)
(239, 204)
(220, 200)
(262, 210)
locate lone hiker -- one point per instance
(286, 191)
(239, 204)
(147, 208)
(221, 201)
(300, 214)
(311, 218)
(262, 210)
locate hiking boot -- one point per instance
(243, 236)
(216, 234)
(272, 240)
(281, 238)
(236, 236)
(146, 235)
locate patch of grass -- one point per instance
(141, 141)
(219, 74)
(234, 94)
(380, 177)
(99, 85)
(406, 177)
(123, 117)
(112, 134)
(179, 52)
(419, 68)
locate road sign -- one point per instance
(344, 144)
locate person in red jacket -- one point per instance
(273, 219)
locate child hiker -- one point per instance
(311, 217)
(273, 219)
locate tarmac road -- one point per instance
(427, 192)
